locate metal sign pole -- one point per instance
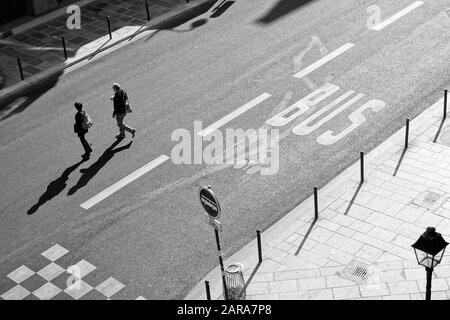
(221, 264)
(211, 205)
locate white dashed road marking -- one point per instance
(236, 113)
(123, 182)
(324, 60)
(397, 16)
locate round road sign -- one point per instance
(209, 202)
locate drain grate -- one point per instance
(360, 273)
(429, 200)
(356, 271)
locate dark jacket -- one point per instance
(120, 98)
(78, 126)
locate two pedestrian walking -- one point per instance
(121, 108)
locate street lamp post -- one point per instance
(429, 250)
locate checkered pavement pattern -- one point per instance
(74, 289)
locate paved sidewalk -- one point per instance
(40, 48)
(360, 247)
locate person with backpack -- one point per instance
(121, 108)
(82, 124)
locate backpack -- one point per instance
(87, 122)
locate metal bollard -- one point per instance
(64, 47)
(146, 9)
(258, 236)
(20, 68)
(208, 291)
(407, 134)
(361, 156)
(109, 27)
(445, 104)
(316, 205)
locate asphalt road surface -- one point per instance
(152, 234)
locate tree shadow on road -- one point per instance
(282, 8)
(16, 103)
(28, 48)
(172, 25)
(90, 172)
(55, 187)
(194, 25)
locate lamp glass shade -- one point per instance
(428, 260)
(429, 248)
(439, 256)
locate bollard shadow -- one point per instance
(306, 236)
(138, 31)
(90, 172)
(400, 161)
(55, 187)
(439, 130)
(282, 8)
(353, 198)
(221, 8)
(249, 280)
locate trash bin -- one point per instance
(234, 278)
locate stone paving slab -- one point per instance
(40, 48)
(373, 233)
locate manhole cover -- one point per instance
(429, 200)
(356, 271)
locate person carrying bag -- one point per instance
(121, 108)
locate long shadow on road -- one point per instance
(282, 8)
(55, 187)
(90, 172)
(16, 103)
